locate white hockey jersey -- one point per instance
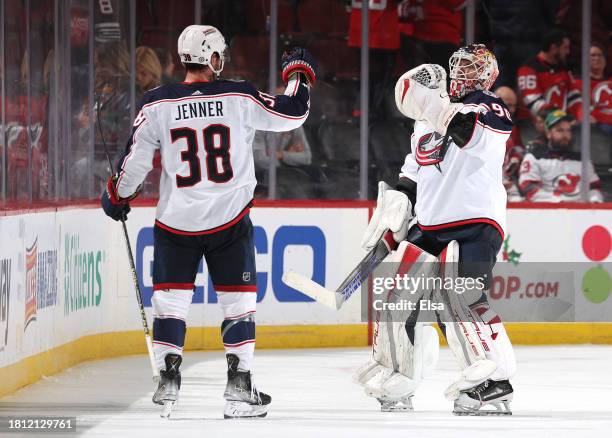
(204, 132)
(555, 176)
(458, 186)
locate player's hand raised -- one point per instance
(299, 61)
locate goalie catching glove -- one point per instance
(299, 61)
(420, 94)
(393, 212)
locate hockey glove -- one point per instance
(299, 60)
(393, 212)
(419, 95)
(114, 207)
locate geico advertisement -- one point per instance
(322, 243)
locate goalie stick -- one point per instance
(335, 299)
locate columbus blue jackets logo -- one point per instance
(430, 149)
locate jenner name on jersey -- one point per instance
(197, 110)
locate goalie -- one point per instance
(453, 180)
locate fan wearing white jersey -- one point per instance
(453, 178)
(204, 128)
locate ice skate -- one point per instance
(489, 398)
(403, 404)
(243, 398)
(169, 385)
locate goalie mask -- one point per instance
(197, 44)
(472, 68)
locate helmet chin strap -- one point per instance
(210, 64)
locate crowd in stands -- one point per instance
(537, 45)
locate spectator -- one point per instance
(292, 148)
(436, 32)
(552, 173)
(384, 42)
(148, 70)
(569, 18)
(601, 90)
(26, 139)
(516, 28)
(515, 150)
(112, 100)
(168, 66)
(545, 83)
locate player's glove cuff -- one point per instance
(111, 190)
(299, 60)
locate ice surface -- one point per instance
(561, 391)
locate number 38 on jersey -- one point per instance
(215, 142)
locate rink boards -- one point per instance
(66, 294)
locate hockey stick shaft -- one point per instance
(126, 238)
(354, 280)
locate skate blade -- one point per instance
(240, 410)
(396, 409)
(503, 408)
(404, 405)
(481, 413)
(167, 409)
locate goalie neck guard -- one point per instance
(472, 68)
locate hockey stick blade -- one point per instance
(312, 289)
(351, 283)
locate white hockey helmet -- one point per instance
(198, 43)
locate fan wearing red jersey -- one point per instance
(545, 83)
(204, 128)
(383, 41)
(601, 90)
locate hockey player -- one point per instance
(453, 179)
(203, 128)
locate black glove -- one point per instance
(299, 60)
(113, 206)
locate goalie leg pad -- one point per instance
(474, 332)
(403, 350)
(501, 351)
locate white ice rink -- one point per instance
(559, 392)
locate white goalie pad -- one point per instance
(399, 361)
(415, 362)
(466, 335)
